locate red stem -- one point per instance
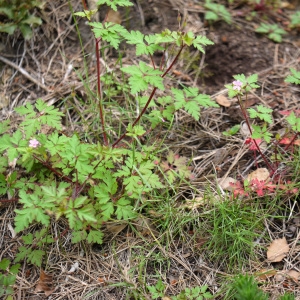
(53, 170)
(249, 127)
(292, 141)
(150, 97)
(98, 40)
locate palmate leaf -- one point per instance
(240, 77)
(252, 78)
(28, 215)
(86, 13)
(4, 263)
(261, 133)
(109, 32)
(201, 41)
(107, 210)
(36, 257)
(114, 3)
(294, 78)
(47, 115)
(124, 210)
(135, 131)
(8, 28)
(106, 189)
(86, 213)
(78, 236)
(5, 143)
(261, 112)
(134, 185)
(95, 236)
(142, 76)
(22, 253)
(294, 121)
(248, 83)
(144, 44)
(166, 36)
(73, 220)
(14, 269)
(190, 99)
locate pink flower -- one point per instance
(34, 143)
(237, 85)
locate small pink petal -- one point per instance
(34, 143)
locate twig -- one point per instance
(25, 73)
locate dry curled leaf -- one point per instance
(224, 183)
(194, 204)
(155, 214)
(277, 250)
(223, 101)
(294, 275)
(145, 227)
(114, 17)
(261, 174)
(279, 277)
(45, 284)
(115, 227)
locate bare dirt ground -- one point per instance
(44, 67)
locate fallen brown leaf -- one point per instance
(114, 17)
(45, 284)
(277, 250)
(225, 183)
(294, 275)
(223, 101)
(261, 174)
(115, 227)
(194, 204)
(145, 226)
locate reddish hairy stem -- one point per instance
(84, 4)
(152, 60)
(292, 141)
(52, 169)
(249, 127)
(150, 97)
(173, 62)
(137, 119)
(98, 40)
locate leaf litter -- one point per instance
(45, 284)
(278, 250)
